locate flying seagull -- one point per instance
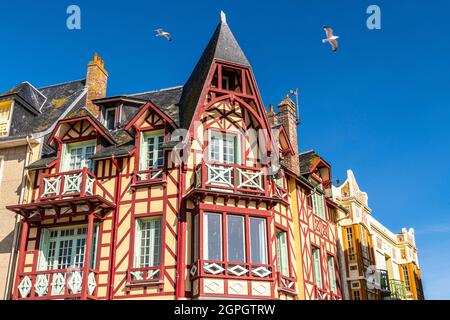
(332, 39)
(162, 33)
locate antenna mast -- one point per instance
(292, 93)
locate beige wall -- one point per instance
(12, 161)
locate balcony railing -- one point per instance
(221, 269)
(231, 178)
(398, 290)
(140, 276)
(57, 284)
(320, 293)
(148, 176)
(286, 283)
(79, 183)
(280, 192)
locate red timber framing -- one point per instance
(318, 233)
(249, 193)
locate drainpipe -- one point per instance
(180, 238)
(17, 229)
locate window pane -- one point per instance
(317, 267)
(332, 274)
(213, 237)
(155, 152)
(148, 240)
(258, 241)
(282, 253)
(236, 239)
(110, 118)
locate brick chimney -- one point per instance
(288, 118)
(96, 82)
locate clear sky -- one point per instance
(380, 106)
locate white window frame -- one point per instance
(66, 156)
(282, 252)
(332, 273)
(317, 266)
(234, 137)
(9, 120)
(143, 157)
(154, 243)
(242, 218)
(47, 240)
(105, 118)
(262, 232)
(206, 250)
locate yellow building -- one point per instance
(377, 264)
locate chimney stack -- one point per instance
(287, 115)
(272, 116)
(96, 83)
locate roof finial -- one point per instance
(223, 17)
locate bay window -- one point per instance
(332, 274)
(236, 238)
(282, 253)
(66, 248)
(147, 245)
(77, 156)
(317, 267)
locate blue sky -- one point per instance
(379, 106)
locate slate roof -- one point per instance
(58, 100)
(222, 46)
(28, 95)
(307, 161)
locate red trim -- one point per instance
(143, 109)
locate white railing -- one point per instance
(80, 182)
(58, 284)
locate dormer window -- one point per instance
(151, 156)
(5, 117)
(110, 118)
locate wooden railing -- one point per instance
(232, 270)
(79, 183)
(148, 275)
(320, 294)
(231, 178)
(57, 284)
(148, 176)
(280, 192)
(286, 283)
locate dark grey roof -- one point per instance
(222, 46)
(116, 151)
(28, 95)
(306, 161)
(167, 100)
(42, 163)
(58, 99)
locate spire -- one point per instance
(222, 46)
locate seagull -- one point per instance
(332, 39)
(162, 33)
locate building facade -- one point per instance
(190, 192)
(378, 264)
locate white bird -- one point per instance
(332, 39)
(162, 33)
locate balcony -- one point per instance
(384, 280)
(66, 189)
(57, 284)
(398, 290)
(222, 269)
(148, 176)
(144, 276)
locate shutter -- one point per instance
(94, 248)
(65, 158)
(332, 274)
(143, 156)
(237, 150)
(43, 250)
(137, 244)
(284, 256)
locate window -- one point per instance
(258, 241)
(282, 253)
(152, 155)
(332, 274)
(350, 248)
(147, 250)
(77, 156)
(318, 203)
(406, 278)
(65, 248)
(236, 238)
(212, 237)
(110, 118)
(223, 148)
(356, 295)
(5, 117)
(317, 267)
